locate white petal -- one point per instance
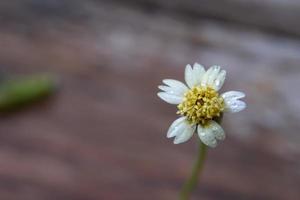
(219, 81)
(176, 85)
(188, 76)
(170, 98)
(217, 130)
(205, 78)
(164, 88)
(186, 134)
(213, 75)
(234, 105)
(198, 72)
(193, 75)
(175, 127)
(172, 90)
(177, 130)
(233, 95)
(206, 136)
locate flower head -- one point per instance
(199, 104)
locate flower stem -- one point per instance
(191, 183)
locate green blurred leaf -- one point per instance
(23, 91)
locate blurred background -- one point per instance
(102, 134)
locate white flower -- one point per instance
(200, 104)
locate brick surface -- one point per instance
(102, 136)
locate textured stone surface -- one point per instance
(102, 136)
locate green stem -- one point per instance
(191, 183)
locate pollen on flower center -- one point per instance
(201, 104)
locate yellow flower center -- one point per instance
(201, 104)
